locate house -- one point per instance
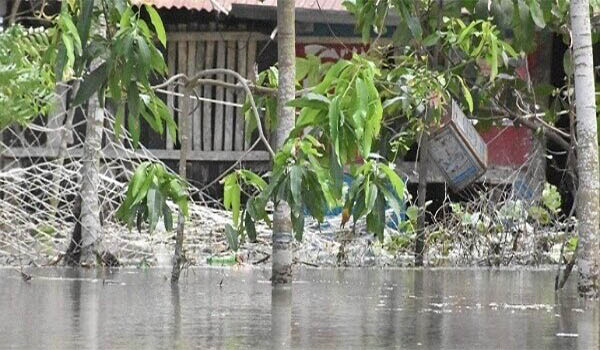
(239, 34)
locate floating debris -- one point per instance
(567, 335)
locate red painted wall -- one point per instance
(507, 145)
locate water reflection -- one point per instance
(281, 317)
(331, 309)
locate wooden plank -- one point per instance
(181, 68)
(494, 175)
(207, 124)
(213, 36)
(242, 53)
(229, 121)
(171, 53)
(251, 60)
(198, 114)
(111, 153)
(220, 95)
(191, 70)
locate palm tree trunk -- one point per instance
(587, 150)
(282, 224)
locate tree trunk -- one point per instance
(85, 246)
(587, 150)
(422, 199)
(282, 224)
(87, 234)
(179, 257)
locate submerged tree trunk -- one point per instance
(422, 199)
(282, 224)
(87, 234)
(587, 150)
(179, 257)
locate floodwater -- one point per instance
(325, 309)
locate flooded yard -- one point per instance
(324, 309)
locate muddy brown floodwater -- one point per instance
(324, 309)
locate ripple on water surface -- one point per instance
(324, 309)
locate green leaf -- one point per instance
(119, 117)
(138, 179)
(231, 197)
(250, 227)
(298, 225)
(61, 61)
(84, 22)
(232, 237)
(332, 74)
(183, 206)
(91, 84)
(536, 13)
(412, 213)
(73, 33)
(394, 179)
(376, 218)
(158, 25)
(168, 218)
(296, 173)
(144, 50)
(311, 100)
(337, 174)
(133, 100)
(493, 60)
(413, 22)
(466, 93)
(334, 121)
(253, 179)
(370, 197)
(431, 39)
(154, 204)
(66, 40)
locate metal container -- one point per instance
(458, 149)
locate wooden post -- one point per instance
(198, 115)
(251, 76)
(181, 68)
(191, 70)
(228, 125)
(171, 53)
(242, 53)
(220, 95)
(207, 125)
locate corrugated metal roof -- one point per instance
(207, 5)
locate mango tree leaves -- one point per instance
(536, 13)
(231, 196)
(232, 237)
(158, 25)
(91, 84)
(127, 60)
(148, 191)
